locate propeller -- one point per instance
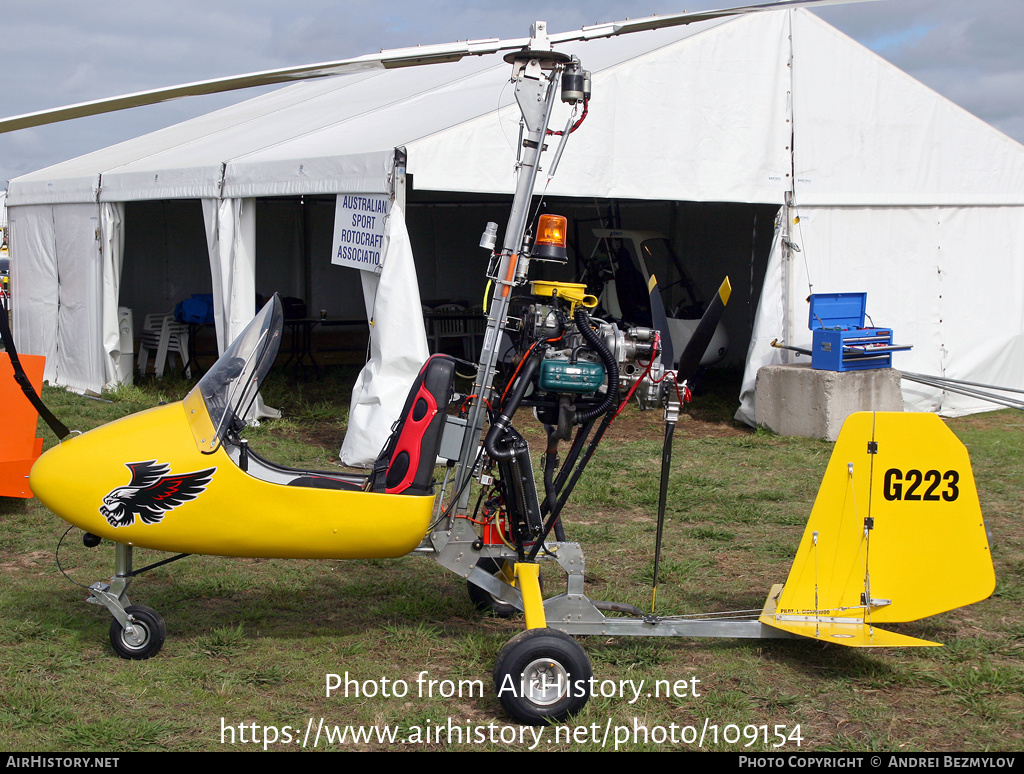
(659, 320)
(689, 361)
(386, 59)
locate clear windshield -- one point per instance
(229, 388)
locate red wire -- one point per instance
(574, 127)
(657, 348)
(647, 371)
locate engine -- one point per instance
(586, 356)
(573, 370)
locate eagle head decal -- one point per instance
(152, 492)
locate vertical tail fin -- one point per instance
(896, 534)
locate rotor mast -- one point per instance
(536, 72)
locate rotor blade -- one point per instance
(660, 322)
(609, 29)
(689, 361)
(398, 57)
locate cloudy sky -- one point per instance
(56, 52)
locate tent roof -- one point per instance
(707, 112)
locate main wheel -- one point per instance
(542, 676)
(485, 601)
(145, 639)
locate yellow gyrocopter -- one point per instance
(896, 532)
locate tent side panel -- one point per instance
(80, 353)
(947, 280)
(58, 291)
(34, 281)
(869, 134)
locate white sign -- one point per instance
(359, 230)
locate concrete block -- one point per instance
(798, 400)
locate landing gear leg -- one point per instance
(483, 600)
(137, 631)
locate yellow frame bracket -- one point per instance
(528, 580)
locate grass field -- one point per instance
(250, 642)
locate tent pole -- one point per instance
(790, 197)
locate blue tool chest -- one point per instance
(840, 340)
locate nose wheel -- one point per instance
(542, 676)
(142, 635)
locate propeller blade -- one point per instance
(659, 319)
(398, 57)
(689, 361)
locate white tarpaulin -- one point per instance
(67, 301)
(691, 114)
(231, 239)
(396, 350)
(111, 237)
(925, 277)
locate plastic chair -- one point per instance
(163, 335)
(476, 327)
(445, 323)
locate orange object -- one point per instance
(513, 259)
(492, 534)
(550, 242)
(19, 448)
(551, 231)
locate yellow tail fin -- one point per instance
(896, 534)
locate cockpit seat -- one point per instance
(406, 463)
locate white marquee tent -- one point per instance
(888, 188)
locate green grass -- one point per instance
(252, 641)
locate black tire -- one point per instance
(542, 676)
(483, 600)
(149, 638)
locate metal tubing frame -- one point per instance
(455, 544)
(535, 93)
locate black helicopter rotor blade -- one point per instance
(689, 361)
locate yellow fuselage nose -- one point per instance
(144, 481)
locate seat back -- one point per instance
(406, 463)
